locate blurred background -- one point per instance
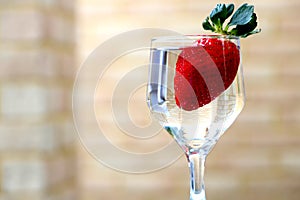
(43, 43)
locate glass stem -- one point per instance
(196, 165)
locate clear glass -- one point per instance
(196, 130)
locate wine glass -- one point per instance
(195, 129)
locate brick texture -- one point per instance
(37, 56)
(43, 43)
(257, 157)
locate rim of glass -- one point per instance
(170, 38)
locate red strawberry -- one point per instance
(207, 69)
(204, 71)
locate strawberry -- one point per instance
(208, 68)
(204, 71)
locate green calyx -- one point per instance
(242, 23)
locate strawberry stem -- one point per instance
(242, 23)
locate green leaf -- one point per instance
(207, 25)
(246, 29)
(242, 15)
(218, 14)
(229, 8)
(243, 20)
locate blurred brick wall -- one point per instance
(37, 151)
(256, 159)
(258, 156)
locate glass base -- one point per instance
(200, 196)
